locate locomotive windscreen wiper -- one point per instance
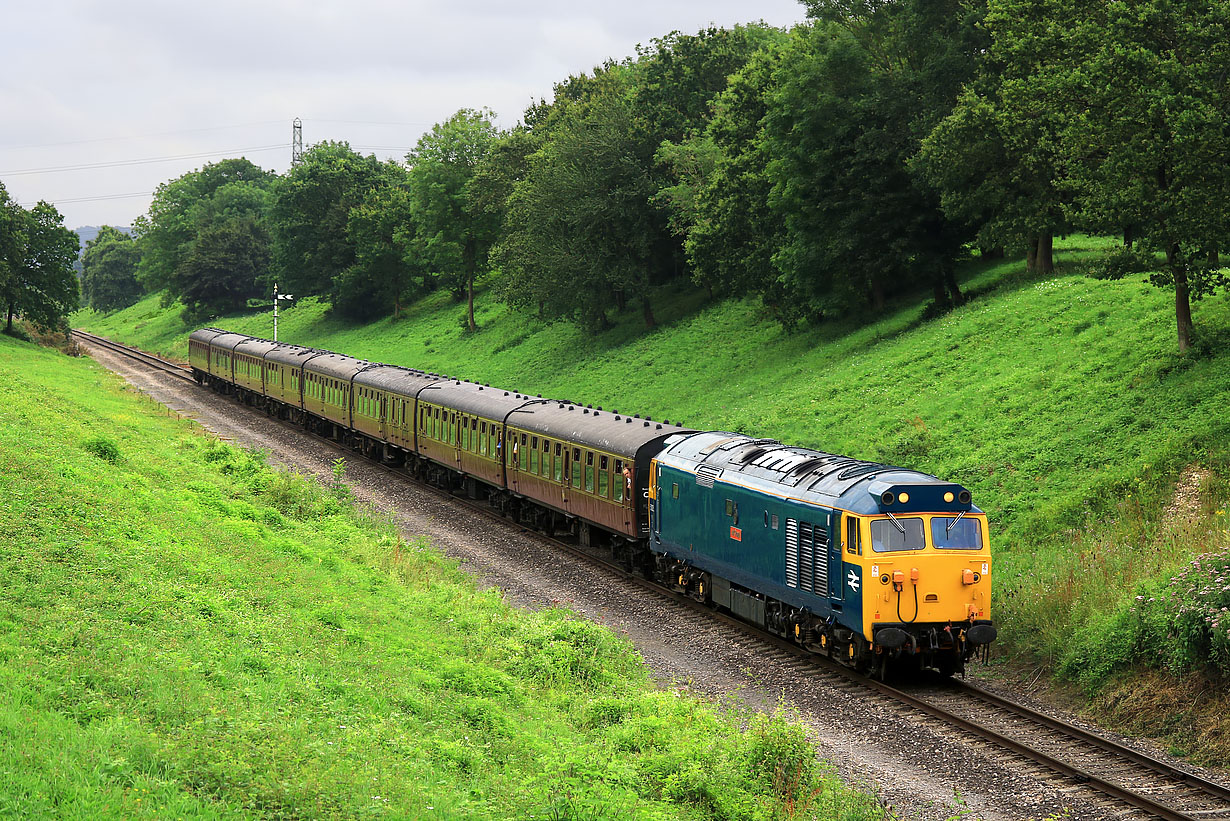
(951, 524)
(897, 524)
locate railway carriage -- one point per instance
(867, 562)
(327, 379)
(587, 463)
(284, 379)
(385, 412)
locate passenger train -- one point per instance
(877, 566)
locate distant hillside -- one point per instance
(87, 232)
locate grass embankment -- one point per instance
(1061, 402)
(185, 632)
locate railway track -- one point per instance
(1129, 783)
(147, 359)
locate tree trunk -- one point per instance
(1214, 258)
(1182, 298)
(1031, 254)
(1129, 236)
(938, 294)
(470, 296)
(1045, 261)
(877, 294)
(954, 289)
(9, 328)
(647, 312)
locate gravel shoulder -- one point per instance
(918, 767)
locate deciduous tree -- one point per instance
(43, 287)
(108, 270)
(455, 233)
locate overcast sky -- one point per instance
(101, 102)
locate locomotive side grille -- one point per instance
(822, 565)
(792, 552)
(807, 557)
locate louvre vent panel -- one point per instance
(822, 563)
(792, 553)
(807, 558)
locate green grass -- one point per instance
(1061, 402)
(185, 632)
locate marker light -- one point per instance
(903, 497)
(948, 497)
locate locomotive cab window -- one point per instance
(956, 533)
(854, 541)
(892, 535)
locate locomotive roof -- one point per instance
(604, 430)
(810, 475)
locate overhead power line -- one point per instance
(100, 198)
(140, 136)
(143, 161)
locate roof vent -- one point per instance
(540, 396)
(666, 421)
(480, 387)
(585, 410)
(628, 420)
(591, 407)
(637, 415)
(646, 423)
(659, 426)
(570, 407)
(506, 394)
(599, 407)
(616, 418)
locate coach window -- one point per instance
(559, 462)
(618, 484)
(576, 468)
(604, 477)
(482, 438)
(523, 452)
(589, 472)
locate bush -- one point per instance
(103, 448)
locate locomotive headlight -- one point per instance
(887, 497)
(904, 497)
(948, 497)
